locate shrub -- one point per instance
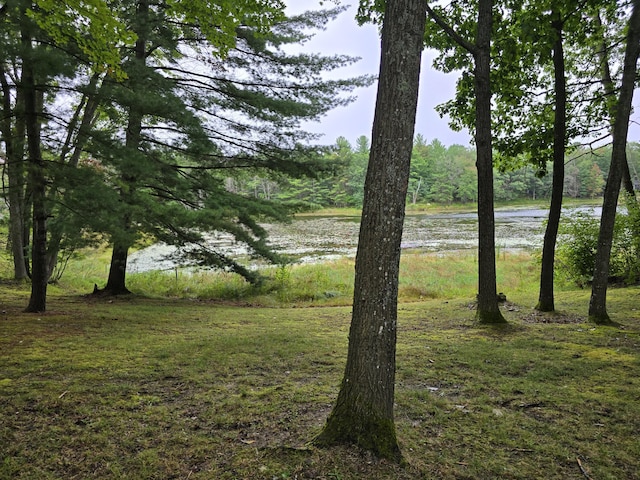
(577, 244)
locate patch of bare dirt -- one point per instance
(535, 316)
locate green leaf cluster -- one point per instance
(522, 70)
(88, 25)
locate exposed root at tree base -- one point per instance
(104, 292)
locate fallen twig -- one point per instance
(584, 472)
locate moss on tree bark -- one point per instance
(367, 430)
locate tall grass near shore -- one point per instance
(422, 276)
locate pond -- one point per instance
(312, 239)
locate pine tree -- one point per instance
(188, 117)
(46, 48)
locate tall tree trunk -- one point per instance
(597, 304)
(546, 296)
(116, 283)
(37, 180)
(633, 206)
(488, 309)
(14, 135)
(363, 413)
(610, 92)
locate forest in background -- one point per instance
(439, 174)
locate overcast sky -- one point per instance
(344, 36)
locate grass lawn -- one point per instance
(139, 387)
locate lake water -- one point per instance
(315, 239)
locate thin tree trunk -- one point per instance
(14, 135)
(488, 309)
(597, 304)
(610, 91)
(363, 414)
(546, 295)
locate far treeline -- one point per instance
(439, 174)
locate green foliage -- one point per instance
(282, 282)
(584, 177)
(578, 242)
(90, 26)
(522, 68)
(625, 259)
(576, 251)
(164, 104)
(209, 135)
(219, 20)
(340, 187)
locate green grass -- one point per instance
(328, 284)
(149, 387)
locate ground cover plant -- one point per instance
(143, 386)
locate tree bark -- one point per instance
(597, 303)
(488, 309)
(363, 414)
(610, 92)
(14, 136)
(36, 177)
(116, 282)
(546, 301)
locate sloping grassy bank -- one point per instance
(140, 387)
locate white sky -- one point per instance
(344, 36)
